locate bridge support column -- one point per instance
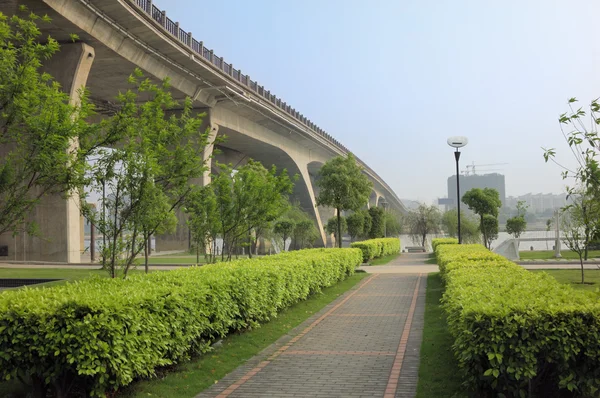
(58, 217)
(180, 239)
(312, 204)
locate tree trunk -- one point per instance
(485, 242)
(581, 262)
(146, 252)
(250, 243)
(339, 223)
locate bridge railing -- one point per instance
(198, 47)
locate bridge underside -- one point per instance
(254, 130)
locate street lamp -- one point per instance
(384, 205)
(457, 142)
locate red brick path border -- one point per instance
(392, 385)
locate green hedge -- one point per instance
(375, 248)
(443, 241)
(100, 334)
(516, 331)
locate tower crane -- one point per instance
(471, 169)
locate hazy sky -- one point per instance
(393, 79)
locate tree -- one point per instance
(377, 215)
(584, 143)
(393, 223)
(356, 225)
(343, 186)
(247, 199)
(423, 221)
(482, 202)
(489, 229)
(305, 233)
(147, 174)
(367, 223)
(469, 226)
(285, 229)
(336, 226)
(549, 223)
(44, 136)
(516, 225)
(579, 225)
(201, 208)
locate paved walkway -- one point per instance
(364, 344)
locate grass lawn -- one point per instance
(432, 259)
(384, 260)
(50, 273)
(573, 277)
(66, 274)
(170, 260)
(188, 379)
(438, 370)
(549, 255)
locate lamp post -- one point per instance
(457, 142)
(384, 205)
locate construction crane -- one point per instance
(471, 169)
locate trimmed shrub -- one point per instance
(518, 332)
(443, 241)
(375, 248)
(100, 334)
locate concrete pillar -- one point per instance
(57, 216)
(306, 179)
(180, 239)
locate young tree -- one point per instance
(584, 143)
(393, 223)
(423, 221)
(516, 225)
(305, 233)
(44, 136)
(367, 223)
(549, 223)
(285, 229)
(482, 202)
(377, 216)
(247, 199)
(489, 229)
(343, 186)
(469, 226)
(201, 208)
(336, 226)
(579, 226)
(356, 224)
(147, 174)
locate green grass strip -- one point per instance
(190, 378)
(438, 370)
(384, 260)
(549, 255)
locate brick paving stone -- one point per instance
(360, 345)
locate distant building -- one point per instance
(540, 202)
(468, 182)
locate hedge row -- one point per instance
(518, 332)
(374, 248)
(100, 334)
(443, 241)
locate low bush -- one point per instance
(518, 333)
(375, 248)
(443, 241)
(100, 334)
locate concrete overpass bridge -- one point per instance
(117, 36)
